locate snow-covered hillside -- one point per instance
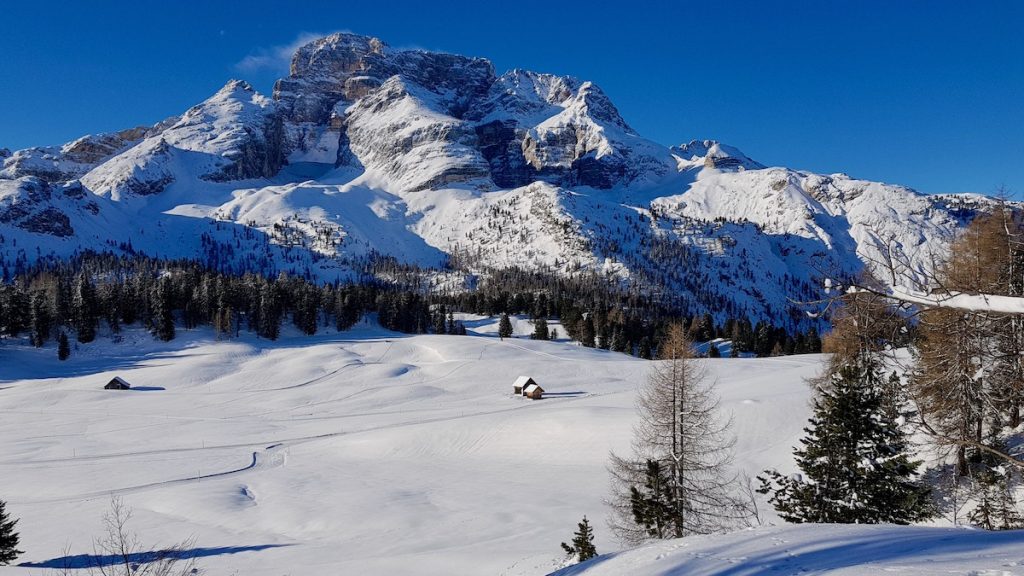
(370, 452)
(367, 150)
(361, 452)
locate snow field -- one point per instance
(359, 452)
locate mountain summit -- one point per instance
(366, 151)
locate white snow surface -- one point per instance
(359, 452)
(374, 452)
(847, 550)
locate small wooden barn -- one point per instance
(117, 383)
(520, 383)
(533, 391)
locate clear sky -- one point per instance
(924, 93)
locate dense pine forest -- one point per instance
(73, 299)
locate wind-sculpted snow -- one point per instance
(367, 150)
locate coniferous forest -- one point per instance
(76, 298)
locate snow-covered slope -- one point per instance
(846, 550)
(371, 452)
(365, 149)
(233, 135)
(365, 452)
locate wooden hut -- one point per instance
(533, 391)
(117, 383)
(521, 383)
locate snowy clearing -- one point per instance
(370, 452)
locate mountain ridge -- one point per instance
(365, 151)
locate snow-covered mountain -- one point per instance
(365, 150)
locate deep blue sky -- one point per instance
(924, 93)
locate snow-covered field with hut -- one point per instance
(371, 452)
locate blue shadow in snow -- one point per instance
(80, 561)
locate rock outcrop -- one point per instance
(511, 130)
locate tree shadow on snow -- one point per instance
(81, 561)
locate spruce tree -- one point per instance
(86, 310)
(644, 350)
(439, 321)
(540, 329)
(8, 537)
(269, 311)
(994, 487)
(41, 320)
(855, 461)
(652, 503)
(63, 348)
(713, 351)
(582, 546)
(619, 343)
(504, 327)
(162, 313)
(587, 334)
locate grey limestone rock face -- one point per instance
(503, 131)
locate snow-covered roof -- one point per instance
(523, 381)
(532, 387)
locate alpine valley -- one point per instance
(365, 153)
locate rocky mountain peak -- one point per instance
(337, 55)
(713, 154)
(233, 87)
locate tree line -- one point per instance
(72, 299)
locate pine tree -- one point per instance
(582, 546)
(540, 329)
(269, 311)
(162, 313)
(644, 350)
(504, 327)
(439, 321)
(86, 310)
(41, 320)
(713, 351)
(619, 343)
(994, 488)
(856, 462)
(63, 348)
(587, 335)
(652, 504)
(8, 537)
(813, 342)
